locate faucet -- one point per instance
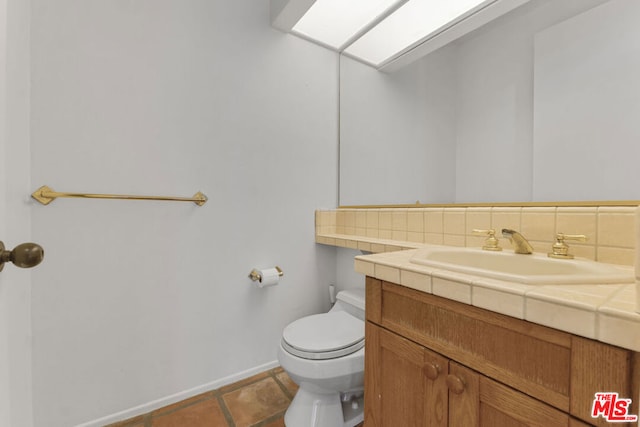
(521, 245)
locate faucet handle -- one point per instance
(563, 236)
(560, 249)
(491, 244)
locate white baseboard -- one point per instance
(174, 398)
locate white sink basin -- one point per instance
(533, 269)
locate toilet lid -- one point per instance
(324, 336)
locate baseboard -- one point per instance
(174, 398)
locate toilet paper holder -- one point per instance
(257, 277)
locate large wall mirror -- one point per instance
(542, 104)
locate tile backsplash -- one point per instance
(610, 230)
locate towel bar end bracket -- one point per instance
(39, 195)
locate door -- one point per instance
(15, 211)
(475, 400)
(405, 383)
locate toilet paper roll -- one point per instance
(268, 277)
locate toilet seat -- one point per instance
(324, 336)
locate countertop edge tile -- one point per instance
(451, 289)
(561, 316)
(510, 304)
(618, 331)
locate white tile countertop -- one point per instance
(601, 312)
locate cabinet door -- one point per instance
(464, 402)
(475, 400)
(405, 385)
(436, 403)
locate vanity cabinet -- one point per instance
(430, 361)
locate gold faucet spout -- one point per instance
(520, 244)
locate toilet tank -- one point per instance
(351, 301)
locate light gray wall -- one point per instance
(500, 95)
(397, 132)
(465, 124)
(346, 277)
(140, 302)
(494, 100)
(587, 94)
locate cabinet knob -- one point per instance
(431, 370)
(455, 384)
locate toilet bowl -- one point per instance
(324, 355)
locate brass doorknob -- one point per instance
(26, 255)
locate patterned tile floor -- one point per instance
(259, 401)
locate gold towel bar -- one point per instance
(46, 195)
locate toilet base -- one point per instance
(324, 410)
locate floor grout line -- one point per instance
(284, 388)
(148, 419)
(225, 411)
(269, 420)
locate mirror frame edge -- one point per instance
(594, 203)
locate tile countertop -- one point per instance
(601, 312)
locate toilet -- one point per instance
(324, 355)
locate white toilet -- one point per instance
(324, 355)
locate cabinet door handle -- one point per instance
(431, 370)
(455, 384)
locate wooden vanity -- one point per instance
(431, 361)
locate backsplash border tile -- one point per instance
(610, 228)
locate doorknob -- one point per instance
(26, 255)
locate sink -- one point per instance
(532, 269)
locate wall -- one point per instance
(458, 125)
(495, 106)
(397, 132)
(144, 303)
(493, 126)
(587, 104)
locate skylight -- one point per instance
(408, 26)
(386, 34)
(335, 23)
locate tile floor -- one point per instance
(258, 401)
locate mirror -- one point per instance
(538, 105)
